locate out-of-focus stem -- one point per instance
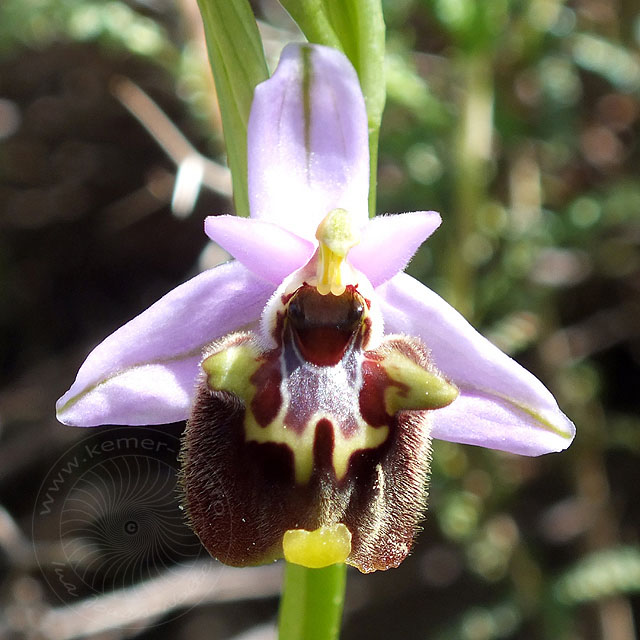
(615, 614)
(373, 170)
(312, 602)
(592, 488)
(472, 151)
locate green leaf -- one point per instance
(311, 17)
(602, 574)
(360, 28)
(238, 63)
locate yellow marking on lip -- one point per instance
(365, 437)
(420, 388)
(231, 369)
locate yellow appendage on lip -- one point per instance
(336, 234)
(420, 389)
(317, 549)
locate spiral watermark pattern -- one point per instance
(111, 506)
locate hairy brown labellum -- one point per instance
(315, 432)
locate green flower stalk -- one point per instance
(312, 602)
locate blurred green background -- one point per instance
(519, 121)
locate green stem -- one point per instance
(472, 151)
(373, 170)
(311, 606)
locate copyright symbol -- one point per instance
(131, 527)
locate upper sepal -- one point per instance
(308, 141)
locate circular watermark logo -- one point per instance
(111, 504)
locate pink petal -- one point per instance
(501, 405)
(389, 242)
(308, 141)
(266, 249)
(145, 372)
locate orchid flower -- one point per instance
(313, 372)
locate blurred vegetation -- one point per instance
(518, 120)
